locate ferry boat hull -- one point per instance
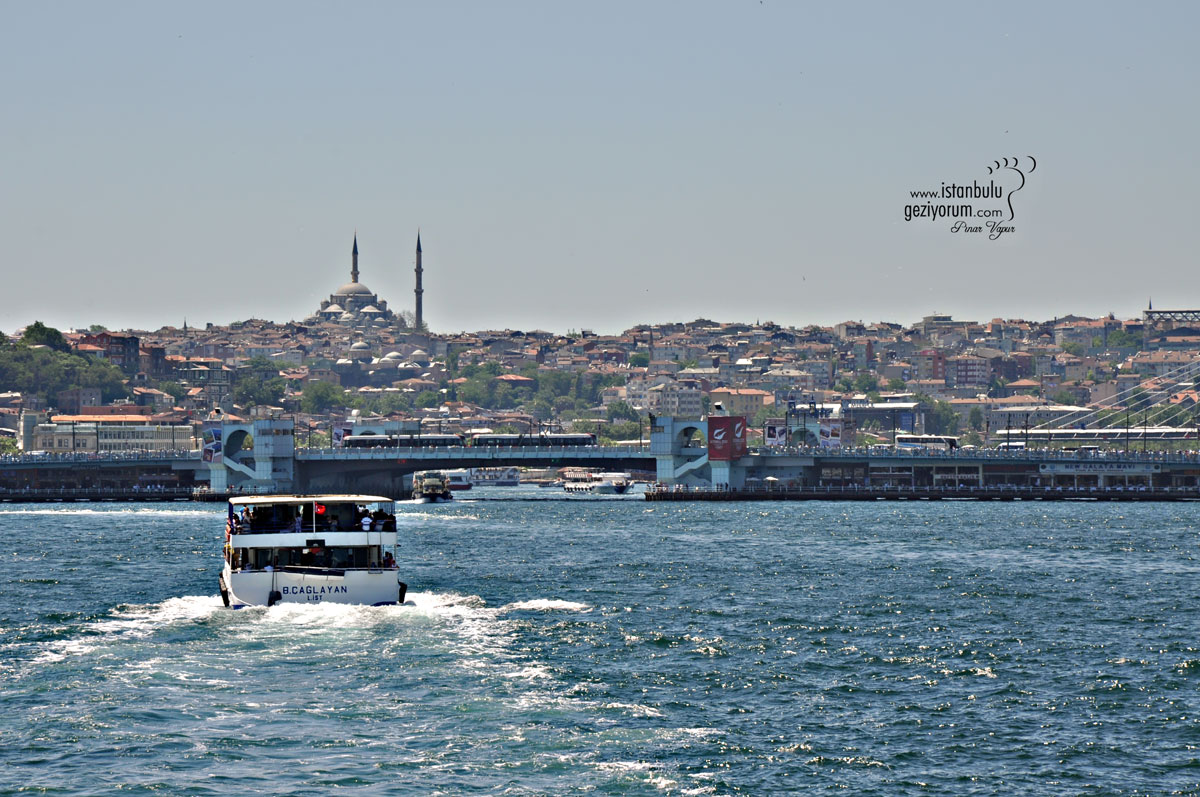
(263, 588)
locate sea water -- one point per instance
(616, 647)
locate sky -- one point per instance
(595, 165)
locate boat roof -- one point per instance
(309, 499)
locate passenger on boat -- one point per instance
(389, 561)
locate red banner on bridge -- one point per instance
(726, 437)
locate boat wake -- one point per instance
(117, 509)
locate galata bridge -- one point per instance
(262, 457)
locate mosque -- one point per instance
(355, 305)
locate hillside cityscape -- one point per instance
(102, 390)
(354, 359)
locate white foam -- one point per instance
(635, 709)
(547, 604)
(134, 622)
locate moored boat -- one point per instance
(577, 481)
(310, 549)
(459, 479)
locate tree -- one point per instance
(38, 334)
(620, 410)
(896, 385)
(9, 445)
(319, 397)
(942, 419)
(975, 419)
(865, 383)
(639, 359)
(1120, 339)
(1064, 397)
(258, 382)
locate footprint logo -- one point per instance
(1014, 165)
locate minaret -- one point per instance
(418, 321)
(354, 259)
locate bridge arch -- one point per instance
(235, 441)
(690, 435)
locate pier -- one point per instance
(1001, 492)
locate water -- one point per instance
(617, 647)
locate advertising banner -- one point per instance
(740, 449)
(720, 438)
(831, 433)
(338, 436)
(775, 434)
(726, 437)
(212, 451)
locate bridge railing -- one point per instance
(45, 457)
(469, 452)
(1039, 454)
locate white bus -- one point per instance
(926, 442)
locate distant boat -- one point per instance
(496, 477)
(578, 481)
(431, 485)
(460, 479)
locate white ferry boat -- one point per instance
(310, 549)
(575, 481)
(496, 477)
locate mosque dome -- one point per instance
(360, 346)
(353, 289)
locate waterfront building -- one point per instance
(64, 434)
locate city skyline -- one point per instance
(592, 168)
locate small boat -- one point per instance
(430, 485)
(310, 549)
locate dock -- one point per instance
(931, 493)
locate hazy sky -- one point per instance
(595, 164)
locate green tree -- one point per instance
(1071, 347)
(46, 372)
(9, 445)
(866, 383)
(38, 334)
(622, 430)
(427, 399)
(1064, 397)
(621, 411)
(942, 419)
(1120, 339)
(319, 397)
(975, 419)
(897, 385)
(258, 382)
(639, 359)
